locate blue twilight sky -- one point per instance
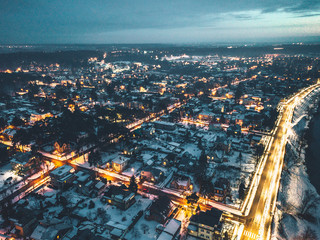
(161, 21)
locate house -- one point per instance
(118, 196)
(186, 163)
(83, 182)
(35, 117)
(206, 225)
(164, 125)
(24, 163)
(8, 133)
(120, 163)
(131, 150)
(181, 182)
(160, 209)
(61, 147)
(170, 159)
(221, 189)
(62, 176)
(99, 188)
(234, 130)
(24, 221)
(171, 230)
(148, 131)
(224, 145)
(151, 174)
(4, 154)
(255, 139)
(55, 229)
(116, 229)
(85, 234)
(206, 116)
(239, 120)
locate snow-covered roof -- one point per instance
(165, 236)
(61, 171)
(172, 226)
(99, 185)
(120, 160)
(116, 225)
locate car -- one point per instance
(209, 206)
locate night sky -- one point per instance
(162, 21)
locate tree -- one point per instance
(200, 144)
(94, 159)
(21, 137)
(91, 204)
(206, 187)
(239, 159)
(238, 93)
(133, 186)
(203, 162)
(192, 199)
(16, 121)
(198, 210)
(309, 203)
(200, 170)
(187, 135)
(222, 119)
(4, 155)
(241, 191)
(308, 234)
(3, 123)
(258, 151)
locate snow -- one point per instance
(298, 201)
(133, 169)
(165, 236)
(143, 229)
(5, 173)
(192, 149)
(172, 226)
(61, 171)
(107, 157)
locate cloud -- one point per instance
(304, 6)
(309, 15)
(32, 20)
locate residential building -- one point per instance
(62, 176)
(160, 209)
(206, 225)
(118, 196)
(151, 174)
(120, 163)
(181, 182)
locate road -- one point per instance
(260, 203)
(174, 195)
(260, 209)
(259, 206)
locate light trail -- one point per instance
(260, 203)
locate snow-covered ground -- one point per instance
(111, 214)
(192, 149)
(298, 208)
(6, 173)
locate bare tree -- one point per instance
(308, 234)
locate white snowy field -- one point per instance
(297, 214)
(5, 173)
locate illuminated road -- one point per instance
(260, 204)
(258, 208)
